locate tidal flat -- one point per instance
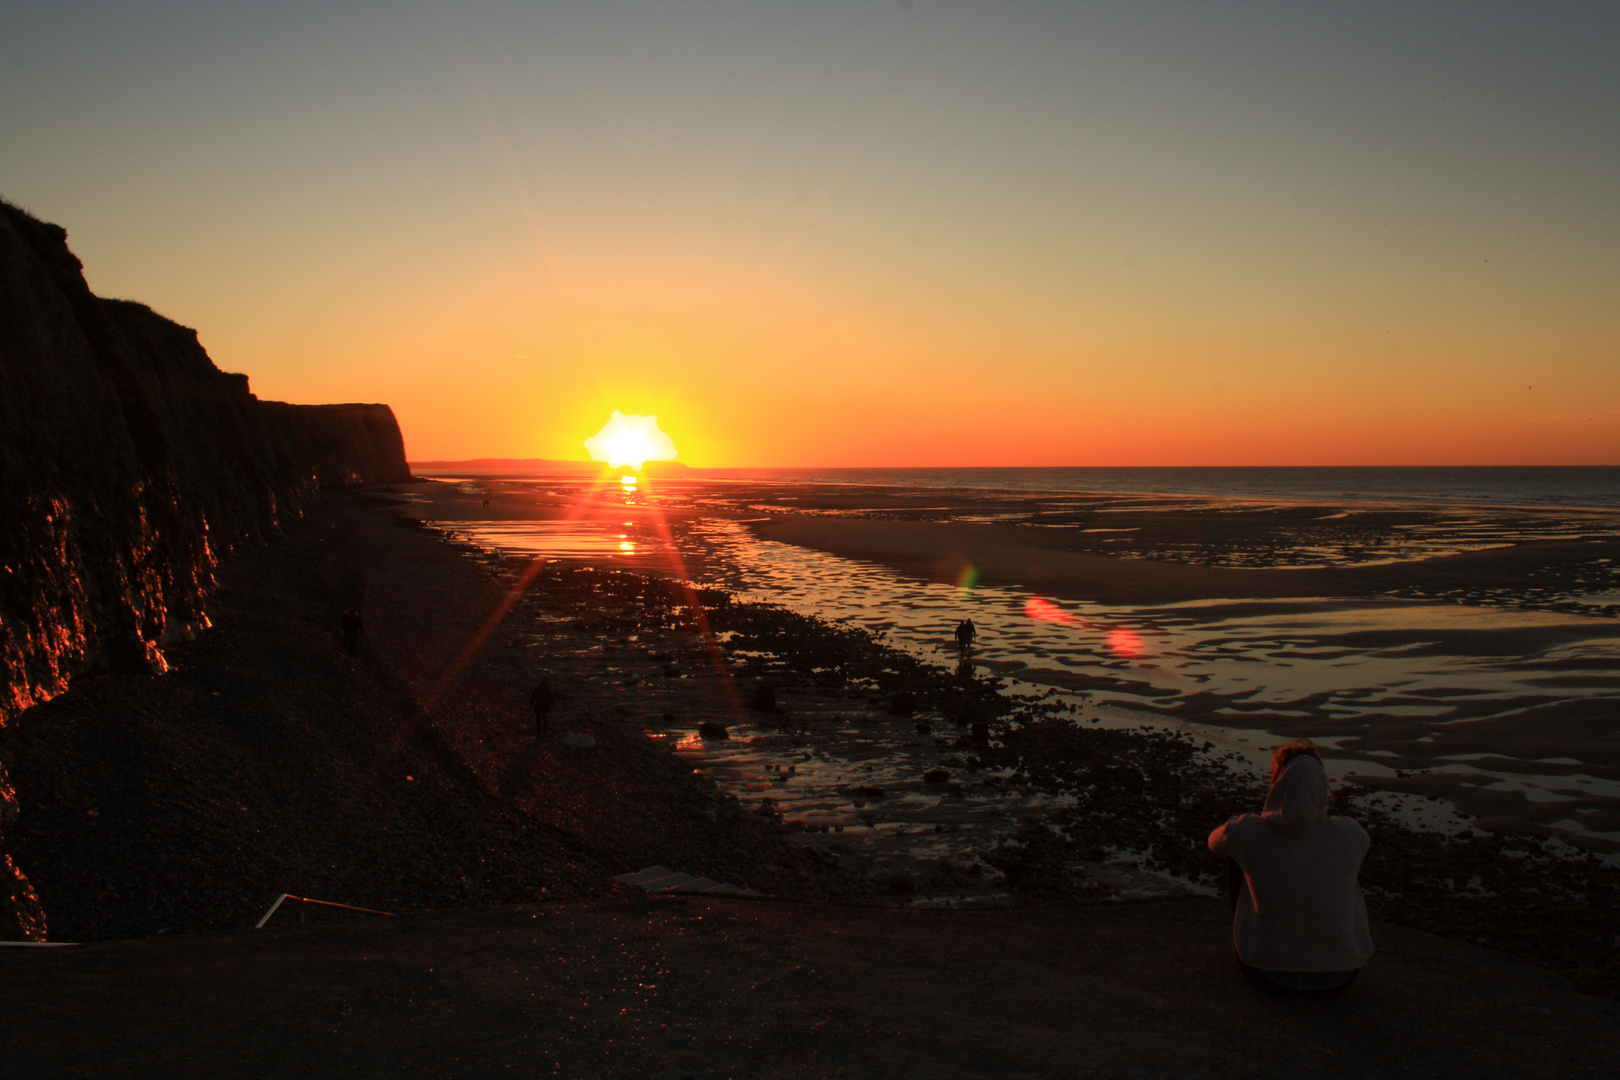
(1096, 777)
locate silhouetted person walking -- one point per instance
(965, 633)
(541, 701)
(352, 629)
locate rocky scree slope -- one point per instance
(129, 466)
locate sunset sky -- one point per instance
(863, 234)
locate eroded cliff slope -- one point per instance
(129, 465)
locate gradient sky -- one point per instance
(863, 234)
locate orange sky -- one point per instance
(933, 235)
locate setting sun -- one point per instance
(630, 440)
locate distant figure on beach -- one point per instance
(541, 701)
(1298, 918)
(965, 633)
(352, 629)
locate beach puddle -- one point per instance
(626, 545)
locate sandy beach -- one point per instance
(667, 987)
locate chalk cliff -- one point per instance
(129, 466)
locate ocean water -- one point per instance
(1568, 487)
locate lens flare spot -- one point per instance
(1123, 642)
(968, 579)
(1046, 611)
(630, 440)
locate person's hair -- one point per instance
(1288, 752)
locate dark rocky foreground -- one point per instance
(129, 466)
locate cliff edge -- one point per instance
(129, 466)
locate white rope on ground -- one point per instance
(318, 903)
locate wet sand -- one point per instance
(1043, 561)
(1538, 733)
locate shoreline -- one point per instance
(1412, 748)
(889, 479)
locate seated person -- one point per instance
(1298, 919)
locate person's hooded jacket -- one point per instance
(1301, 907)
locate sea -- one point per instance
(1578, 486)
(1498, 707)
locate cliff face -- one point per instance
(129, 465)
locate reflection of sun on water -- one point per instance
(1123, 642)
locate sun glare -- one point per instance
(630, 440)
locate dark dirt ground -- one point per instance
(690, 987)
(173, 810)
(268, 761)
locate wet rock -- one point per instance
(897, 882)
(822, 853)
(903, 703)
(764, 699)
(710, 729)
(981, 732)
(924, 727)
(936, 776)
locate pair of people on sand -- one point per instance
(964, 634)
(1299, 922)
